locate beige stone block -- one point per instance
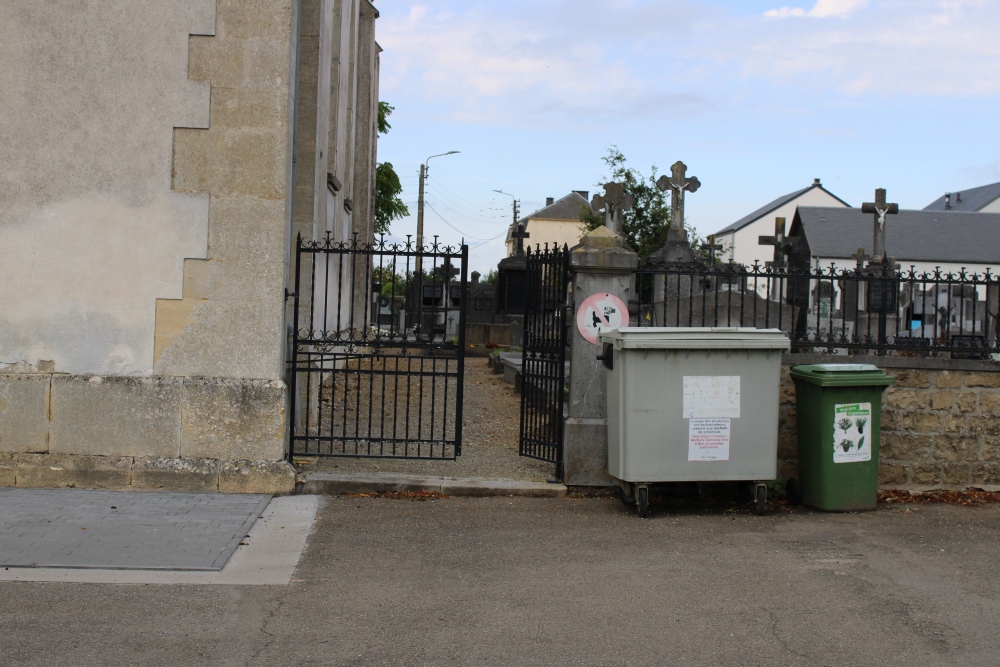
(174, 474)
(990, 450)
(172, 318)
(262, 109)
(989, 403)
(255, 18)
(24, 413)
(67, 470)
(115, 416)
(253, 163)
(984, 424)
(986, 473)
(991, 380)
(966, 401)
(953, 448)
(925, 474)
(8, 469)
(267, 64)
(891, 420)
(273, 477)
(891, 473)
(906, 447)
(905, 399)
(216, 59)
(920, 422)
(197, 159)
(918, 379)
(956, 473)
(233, 419)
(198, 274)
(956, 424)
(941, 400)
(948, 379)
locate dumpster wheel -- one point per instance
(760, 499)
(642, 499)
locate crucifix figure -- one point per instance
(615, 202)
(712, 246)
(678, 184)
(880, 209)
(519, 234)
(782, 246)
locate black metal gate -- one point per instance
(543, 360)
(377, 352)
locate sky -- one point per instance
(757, 97)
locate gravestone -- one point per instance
(512, 277)
(614, 202)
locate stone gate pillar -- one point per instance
(602, 271)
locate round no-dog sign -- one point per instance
(600, 312)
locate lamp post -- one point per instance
(515, 202)
(420, 210)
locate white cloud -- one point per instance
(823, 9)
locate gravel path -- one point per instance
(489, 434)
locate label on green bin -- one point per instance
(852, 432)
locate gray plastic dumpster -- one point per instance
(696, 404)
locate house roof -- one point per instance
(775, 205)
(974, 199)
(567, 208)
(926, 236)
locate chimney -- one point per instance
(549, 201)
(816, 182)
(583, 193)
(947, 201)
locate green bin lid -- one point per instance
(842, 375)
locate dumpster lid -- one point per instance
(841, 375)
(696, 338)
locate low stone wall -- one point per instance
(940, 421)
(157, 432)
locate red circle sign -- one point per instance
(600, 312)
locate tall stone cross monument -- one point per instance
(615, 201)
(519, 234)
(880, 209)
(678, 183)
(782, 246)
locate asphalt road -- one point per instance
(517, 581)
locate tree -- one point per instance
(645, 225)
(388, 205)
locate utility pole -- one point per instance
(516, 204)
(420, 211)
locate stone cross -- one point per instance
(880, 209)
(781, 244)
(678, 184)
(859, 257)
(712, 246)
(519, 234)
(615, 202)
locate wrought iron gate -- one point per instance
(377, 351)
(543, 360)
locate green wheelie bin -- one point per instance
(839, 408)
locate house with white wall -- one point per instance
(984, 199)
(740, 240)
(557, 223)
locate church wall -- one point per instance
(142, 293)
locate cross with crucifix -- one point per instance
(678, 184)
(881, 209)
(615, 202)
(782, 246)
(519, 234)
(711, 246)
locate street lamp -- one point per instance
(515, 202)
(420, 210)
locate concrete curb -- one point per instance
(331, 484)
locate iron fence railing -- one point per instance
(837, 310)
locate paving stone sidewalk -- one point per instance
(76, 528)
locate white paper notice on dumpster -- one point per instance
(711, 396)
(708, 439)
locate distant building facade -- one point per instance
(557, 223)
(984, 199)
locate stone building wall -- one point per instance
(940, 422)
